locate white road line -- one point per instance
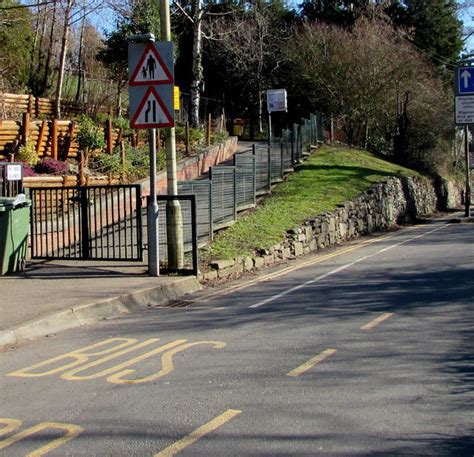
(339, 269)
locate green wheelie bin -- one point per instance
(14, 227)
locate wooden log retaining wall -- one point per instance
(12, 106)
(52, 138)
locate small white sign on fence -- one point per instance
(13, 173)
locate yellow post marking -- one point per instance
(72, 432)
(198, 433)
(373, 323)
(71, 375)
(81, 355)
(166, 361)
(311, 362)
(10, 425)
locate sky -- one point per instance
(105, 21)
(466, 14)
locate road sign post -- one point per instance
(464, 112)
(276, 101)
(174, 217)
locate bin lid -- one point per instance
(9, 203)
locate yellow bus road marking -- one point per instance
(10, 425)
(373, 323)
(81, 356)
(71, 375)
(199, 433)
(312, 362)
(72, 431)
(166, 361)
(74, 371)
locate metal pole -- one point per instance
(467, 198)
(174, 218)
(269, 151)
(152, 211)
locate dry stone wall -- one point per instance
(384, 206)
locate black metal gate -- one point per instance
(96, 223)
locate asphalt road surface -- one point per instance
(366, 350)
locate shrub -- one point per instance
(27, 153)
(28, 171)
(90, 137)
(52, 167)
(110, 164)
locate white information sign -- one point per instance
(276, 100)
(465, 109)
(13, 173)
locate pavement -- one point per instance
(51, 296)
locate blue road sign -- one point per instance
(465, 80)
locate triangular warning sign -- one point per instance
(151, 69)
(151, 112)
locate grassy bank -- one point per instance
(329, 177)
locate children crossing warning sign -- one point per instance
(151, 84)
(152, 112)
(150, 69)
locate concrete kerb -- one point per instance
(93, 312)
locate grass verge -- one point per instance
(329, 177)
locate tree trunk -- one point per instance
(47, 66)
(62, 59)
(197, 71)
(79, 61)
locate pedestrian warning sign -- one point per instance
(151, 69)
(151, 112)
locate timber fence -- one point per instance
(14, 105)
(53, 138)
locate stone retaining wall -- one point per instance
(382, 207)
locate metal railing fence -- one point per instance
(86, 223)
(230, 189)
(224, 199)
(190, 236)
(244, 163)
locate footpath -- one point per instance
(51, 296)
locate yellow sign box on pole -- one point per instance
(177, 104)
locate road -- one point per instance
(366, 350)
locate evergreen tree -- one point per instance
(16, 37)
(337, 12)
(432, 26)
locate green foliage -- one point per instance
(90, 136)
(197, 137)
(218, 137)
(328, 178)
(27, 154)
(16, 37)
(136, 165)
(432, 25)
(338, 12)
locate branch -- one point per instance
(14, 7)
(184, 12)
